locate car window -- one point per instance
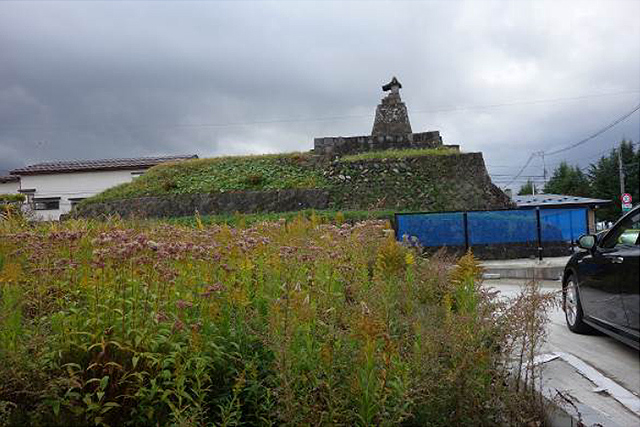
(626, 233)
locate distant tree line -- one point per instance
(600, 180)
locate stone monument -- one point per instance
(391, 131)
(392, 117)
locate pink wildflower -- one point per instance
(182, 304)
(161, 317)
(178, 325)
(217, 288)
(195, 327)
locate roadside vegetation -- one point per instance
(243, 220)
(221, 174)
(398, 154)
(294, 322)
(10, 206)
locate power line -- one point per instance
(569, 147)
(598, 133)
(537, 101)
(337, 118)
(521, 170)
(599, 154)
(506, 177)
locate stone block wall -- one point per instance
(188, 204)
(339, 146)
(427, 183)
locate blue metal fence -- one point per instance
(524, 228)
(492, 227)
(565, 225)
(438, 229)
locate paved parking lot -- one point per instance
(615, 361)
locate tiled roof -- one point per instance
(555, 200)
(9, 178)
(96, 165)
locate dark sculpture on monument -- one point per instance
(391, 130)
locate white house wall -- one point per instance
(74, 185)
(9, 187)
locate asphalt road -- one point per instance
(614, 360)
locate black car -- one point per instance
(601, 283)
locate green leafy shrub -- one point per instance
(12, 198)
(254, 180)
(10, 206)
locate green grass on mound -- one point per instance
(220, 174)
(399, 154)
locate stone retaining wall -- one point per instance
(339, 146)
(188, 204)
(428, 183)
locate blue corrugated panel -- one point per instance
(433, 230)
(518, 226)
(563, 225)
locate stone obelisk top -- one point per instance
(392, 118)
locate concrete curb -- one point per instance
(574, 415)
(564, 410)
(540, 273)
(546, 269)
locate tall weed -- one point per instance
(294, 322)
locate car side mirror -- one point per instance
(587, 241)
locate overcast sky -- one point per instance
(100, 79)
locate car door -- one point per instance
(630, 292)
(628, 242)
(601, 276)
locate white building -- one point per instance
(9, 184)
(53, 188)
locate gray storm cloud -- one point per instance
(118, 79)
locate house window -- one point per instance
(46, 204)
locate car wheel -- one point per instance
(572, 307)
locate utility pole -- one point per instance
(621, 171)
(544, 168)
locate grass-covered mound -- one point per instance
(221, 174)
(243, 173)
(398, 154)
(298, 323)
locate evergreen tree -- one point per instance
(568, 180)
(605, 179)
(526, 189)
(602, 181)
